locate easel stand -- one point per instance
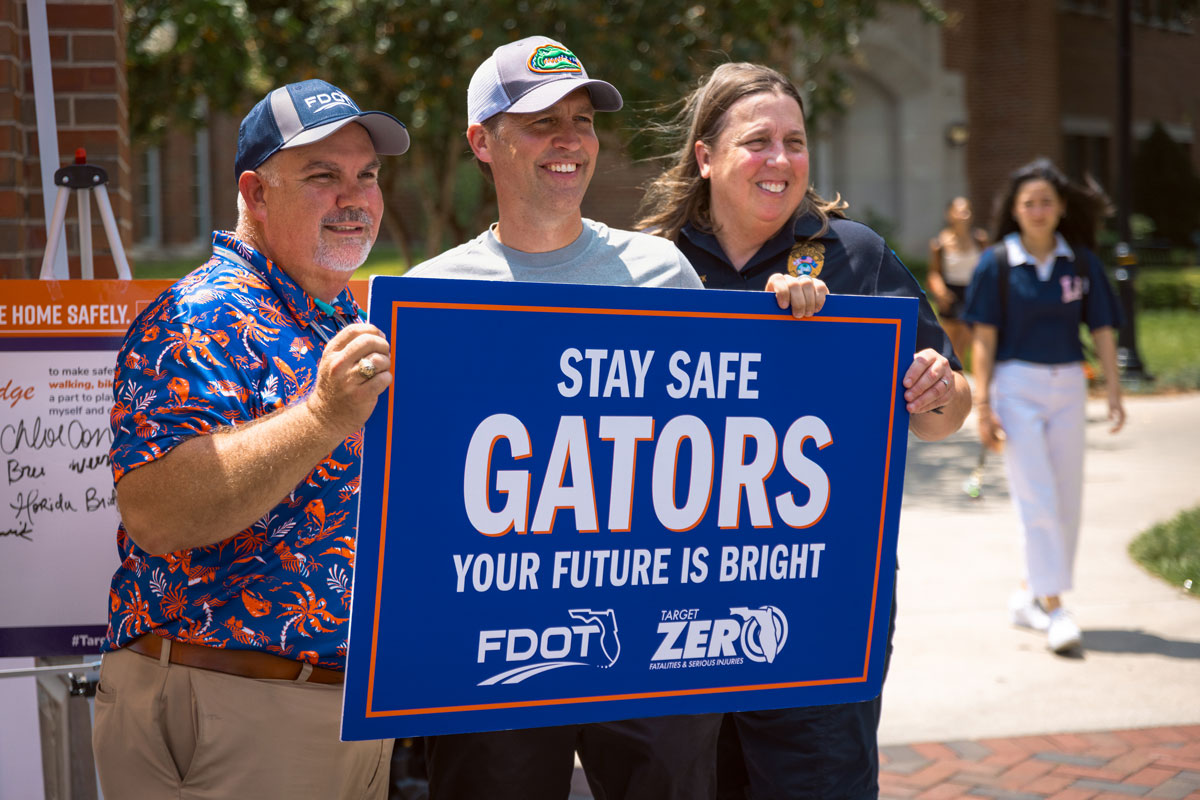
(85, 179)
(63, 727)
(62, 711)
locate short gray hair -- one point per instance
(268, 173)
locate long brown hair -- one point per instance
(679, 195)
(1085, 205)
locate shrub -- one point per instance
(1169, 288)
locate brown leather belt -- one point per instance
(244, 663)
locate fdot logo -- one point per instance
(593, 643)
(758, 634)
(327, 100)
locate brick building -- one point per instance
(184, 189)
(934, 111)
(952, 110)
(87, 52)
(1041, 79)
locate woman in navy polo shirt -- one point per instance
(736, 200)
(1027, 299)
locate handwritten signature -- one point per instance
(94, 501)
(18, 471)
(81, 465)
(22, 532)
(74, 435)
(33, 503)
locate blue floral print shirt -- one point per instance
(235, 340)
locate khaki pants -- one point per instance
(168, 731)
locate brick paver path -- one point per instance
(1116, 765)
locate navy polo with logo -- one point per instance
(849, 257)
(1040, 319)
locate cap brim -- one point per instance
(605, 96)
(388, 134)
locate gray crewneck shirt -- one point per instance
(600, 255)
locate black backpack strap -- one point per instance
(1000, 253)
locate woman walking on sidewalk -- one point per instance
(1027, 299)
(953, 254)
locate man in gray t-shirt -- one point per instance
(598, 254)
(530, 110)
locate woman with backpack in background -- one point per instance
(1027, 299)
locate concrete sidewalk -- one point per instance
(961, 672)
(976, 708)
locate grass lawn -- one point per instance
(1169, 344)
(169, 269)
(384, 261)
(1171, 550)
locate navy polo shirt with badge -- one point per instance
(849, 257)
(1042, 314)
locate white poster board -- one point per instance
(58, 516)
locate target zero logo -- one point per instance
(758, 634)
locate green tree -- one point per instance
(415, 58)
(1165, 187)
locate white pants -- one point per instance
(1042, 410)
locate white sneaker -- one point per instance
(1063, 635)
(1025, 611)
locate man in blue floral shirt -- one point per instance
(240, 396)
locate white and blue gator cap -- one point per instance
(306, 112)
(532, 74)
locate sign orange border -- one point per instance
(371, 713)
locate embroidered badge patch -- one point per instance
(806, 258)
(551, 58)
(1073, 288)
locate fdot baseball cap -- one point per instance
(307, 112)
(532, 74)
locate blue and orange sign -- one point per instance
(586, 503)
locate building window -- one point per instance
(148, 200)
(201, 188)
(1173, 15)
(1169, 14)
(1088, 155)
(1099, 8)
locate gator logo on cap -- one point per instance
(806, 258)
(550, 58)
